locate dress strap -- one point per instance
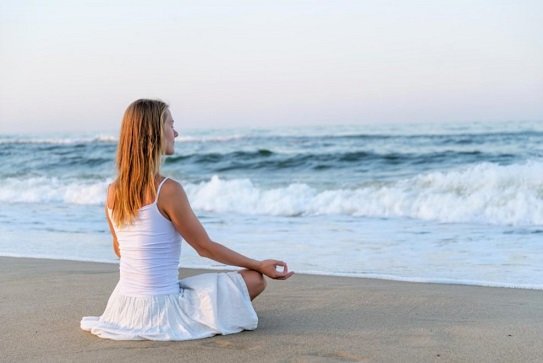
(160, 187)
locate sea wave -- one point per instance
(410, 135)
(24, 140)
(217, 138)
(485, 193)
(267, 159)
(105, 138)
(52, 190)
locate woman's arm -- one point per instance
(173, 203)
(115, 241)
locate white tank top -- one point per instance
(150, 249)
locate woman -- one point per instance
(147, 215)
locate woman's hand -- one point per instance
(269, 268)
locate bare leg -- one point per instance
(255, 282)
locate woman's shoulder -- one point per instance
(171, 197)
(170, 186)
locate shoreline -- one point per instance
(307, 318)
(380, 277)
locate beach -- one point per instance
(308, 318)
(389, 153)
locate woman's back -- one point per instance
(150, 249)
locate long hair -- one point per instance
(138, 158)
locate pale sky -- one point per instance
(76, 65)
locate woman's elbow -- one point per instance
(204, 249)
(203, 252)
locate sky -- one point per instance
(74, 66)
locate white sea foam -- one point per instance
(59, 140)
(484, 193)
(47, 190)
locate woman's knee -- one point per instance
(261, 282)
(255, 282)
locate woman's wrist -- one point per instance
(256, 266)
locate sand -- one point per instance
(305, 319)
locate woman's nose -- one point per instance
(175, 133)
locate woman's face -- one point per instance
(169, 134)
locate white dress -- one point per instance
(150, 302)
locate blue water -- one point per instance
(459, 203)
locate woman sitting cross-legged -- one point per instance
(147, 215)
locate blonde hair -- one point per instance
(138, 158)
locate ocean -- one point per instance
(449, 203)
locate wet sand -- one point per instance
(305, 319)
